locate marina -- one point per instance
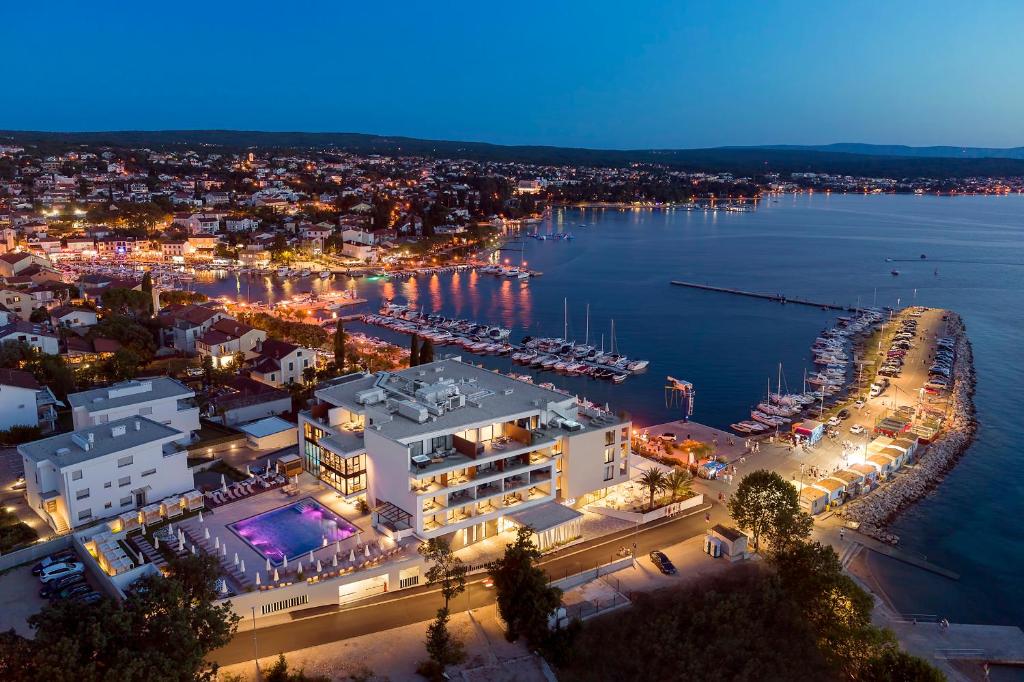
(549, 354)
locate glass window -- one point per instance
(76, 475)
(122, 482)
(84, 514)
(82, 494)
(609, 455)
(125, 461)
(125, 501)
(609, 472)
(416, 448)
(148, 472)
(609, 437)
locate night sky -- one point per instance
(597, 73)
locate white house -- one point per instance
(73, 317)
(72, 479)
(18, 399)
(279, 363)
(32, 334)
(162, 399)
(226, 338)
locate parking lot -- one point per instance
(20, 598)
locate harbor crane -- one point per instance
(679, 393)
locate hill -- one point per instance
(841, 159)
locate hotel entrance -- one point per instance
(362, 589)
(474, 534)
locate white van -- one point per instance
(878, 387)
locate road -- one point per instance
(420, 604)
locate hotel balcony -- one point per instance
(488, 472)
(433, 504)
(460, 497)
(465, 452)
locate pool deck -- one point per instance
(218, 520)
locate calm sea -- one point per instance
(825, 248)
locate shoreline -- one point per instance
(880, 508)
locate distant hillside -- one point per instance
(903, 150)
(741, 161)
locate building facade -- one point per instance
(449, 449)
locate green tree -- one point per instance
(426, 352)
(414, 350)
(767, 506)
(181, 297)
(339, 346)
(894, 664)
(39, 315)
(207, 369)
(163, 631)
(124, 364)
(52, 371)
(678, 482)
(525, 600)
(444, 649)
(446, 570)
(838, 610)
(128, 302)
(654, 480)
(280, 672)
(147, 284)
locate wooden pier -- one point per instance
(777, 298)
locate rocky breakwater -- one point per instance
(875, 510)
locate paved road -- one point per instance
(420, 604)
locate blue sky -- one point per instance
(600, 73)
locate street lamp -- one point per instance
(255, 647)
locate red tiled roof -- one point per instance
(19, 378)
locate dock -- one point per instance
(776, 298)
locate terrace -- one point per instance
(247, 537)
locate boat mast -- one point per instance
(586, 338)
(565, 319)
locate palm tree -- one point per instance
(677, 483)
(654, 480)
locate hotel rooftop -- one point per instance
(128, 393)
(68, 449)
(439, 396)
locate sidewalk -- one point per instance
(394, 654)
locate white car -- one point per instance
(834, 421)
(857, 429)
(54, 571)
(859, 404)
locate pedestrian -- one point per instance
(842, 533)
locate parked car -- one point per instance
(57, 558)
(55, 571)
(72, 591)
(89, 598)
(834, 421)
(857, 429)
(843, 414)
(859, 404)
(662, 562)
(59, 584)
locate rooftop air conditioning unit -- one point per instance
(414, 411)
(370, 396)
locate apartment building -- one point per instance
(449, 449)
(73, 479)
(162, 399)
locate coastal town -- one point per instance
(312, 470)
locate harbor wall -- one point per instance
(877, 509)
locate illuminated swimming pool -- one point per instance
(292, 531)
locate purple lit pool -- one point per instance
(293, 530)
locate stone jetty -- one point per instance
(875, 510)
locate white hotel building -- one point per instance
(96, 472)
(450, 449)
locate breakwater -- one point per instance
(776, 298)
(877, 509)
